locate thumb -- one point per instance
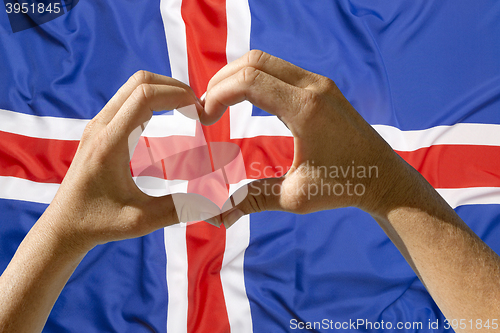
(261, 195)
(161, 212)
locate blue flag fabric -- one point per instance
(408, 66)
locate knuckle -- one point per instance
(141, 77)
(317, 94)
(143, 93)
(311, 101)
(326, 85)
(320, 95)
(247, 75)
(257, 58)
(322, 85)
(90, 130)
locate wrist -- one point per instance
(59, 228)
(398, 185)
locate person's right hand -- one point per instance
(331, 139)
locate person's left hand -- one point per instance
(98, 200)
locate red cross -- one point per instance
(206, 34)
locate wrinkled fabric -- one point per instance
(410, 65)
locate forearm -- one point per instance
(35, 277)
(97, 202)
(459, 270)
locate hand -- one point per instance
(98, 199)
(97, 202)
(459, 270)
(339, 160)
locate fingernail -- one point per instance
(232, 217)
(215, 221)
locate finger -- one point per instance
(261, 89)
(266, 63)
(192, 207)
(125, 91)
(180, 207)
(145, 99)
(263, 195)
